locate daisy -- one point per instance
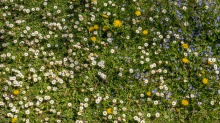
(112, 50)
(114, 100)
(71, 7)
(109, 116)
(128, 37)
(81, 108)
(54, 88)
(93, 63)
(97, 101)
(165, 71)
(25, 54)
(100, 98)
(213, 59)
(139, 28)
(37, 9)
(135, 117)
(145, 81)
(148, 114)
(186, 23)
(120, 74)
(184, 8)
(164, 11)
(114, 112)
(27, 111)
(105, 113)
(85, 104)
(58, 11)
(108, 13)
(28, 28)
(177, 36)
(147, 59)
(79, 113)
(51, 101)
(174, 103)
(45, 3)
(3, 14)
(157, 115)
(161, 94)
(8, 54)
(131, 70)
(155, 102)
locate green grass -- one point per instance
(65, 84)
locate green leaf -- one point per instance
(166, 116)
(182, 120)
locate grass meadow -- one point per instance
(102, 61)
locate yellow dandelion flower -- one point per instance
(117, 23)
(13, 120)
(96, 26)
(138, 13)
(145, 32)
(109, 110)
(93, 38)
(185, 102)
(185, 60)
(91, 29)
(106, 16)
(185, 46)
(16, 92)
(104, 28)
(203, 72)
(205, 81)
(148, 93)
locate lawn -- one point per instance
(101, 61)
